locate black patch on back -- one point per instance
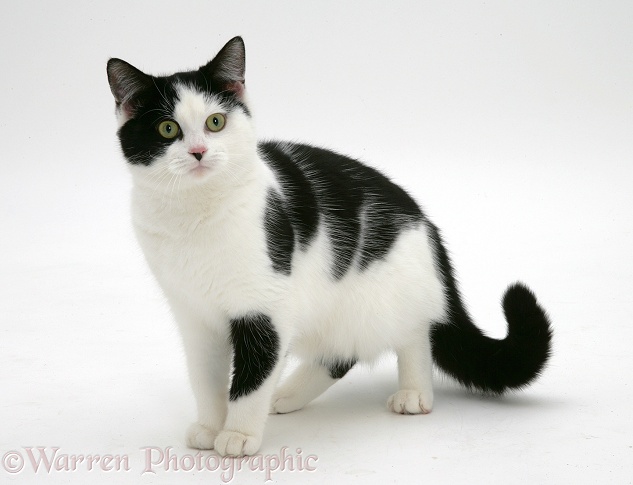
(300, 200)
(340, 198)
(255, 353)
(339, 368)
(362, 210)
(279, 234)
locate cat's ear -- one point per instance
(126, 82)
(228, 67)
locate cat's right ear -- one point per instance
(126, 82)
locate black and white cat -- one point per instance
(265, 249)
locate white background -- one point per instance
(510, 122)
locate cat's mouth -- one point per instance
(199, 170)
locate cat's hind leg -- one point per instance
(415, 378)
(306, 383)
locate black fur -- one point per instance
(339, 368)
(300, 200)
(139, 137)
(255, 353)
(481, 363)
(279, 234)
(322, 186)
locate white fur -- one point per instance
(200, 227)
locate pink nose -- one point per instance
(197, 152)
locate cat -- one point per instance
(265, 249)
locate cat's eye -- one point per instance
(216, 122)
(168, 129)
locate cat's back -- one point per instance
(361, 210)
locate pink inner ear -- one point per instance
(127, 109)
(236, 87)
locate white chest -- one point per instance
(207, 257)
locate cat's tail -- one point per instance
(489, 365)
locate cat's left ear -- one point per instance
(228, 67)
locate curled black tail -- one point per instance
(489, 365)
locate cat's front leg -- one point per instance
(257, 346)
(208, 361)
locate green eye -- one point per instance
(168, 129)
(216, 122)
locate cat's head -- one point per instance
(194, 126)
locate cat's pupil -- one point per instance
(168, 128)
(216, 121)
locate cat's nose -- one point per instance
(198, 152)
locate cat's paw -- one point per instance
(200, 437)
(410, 402)
(233, 443)
(283, 405)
